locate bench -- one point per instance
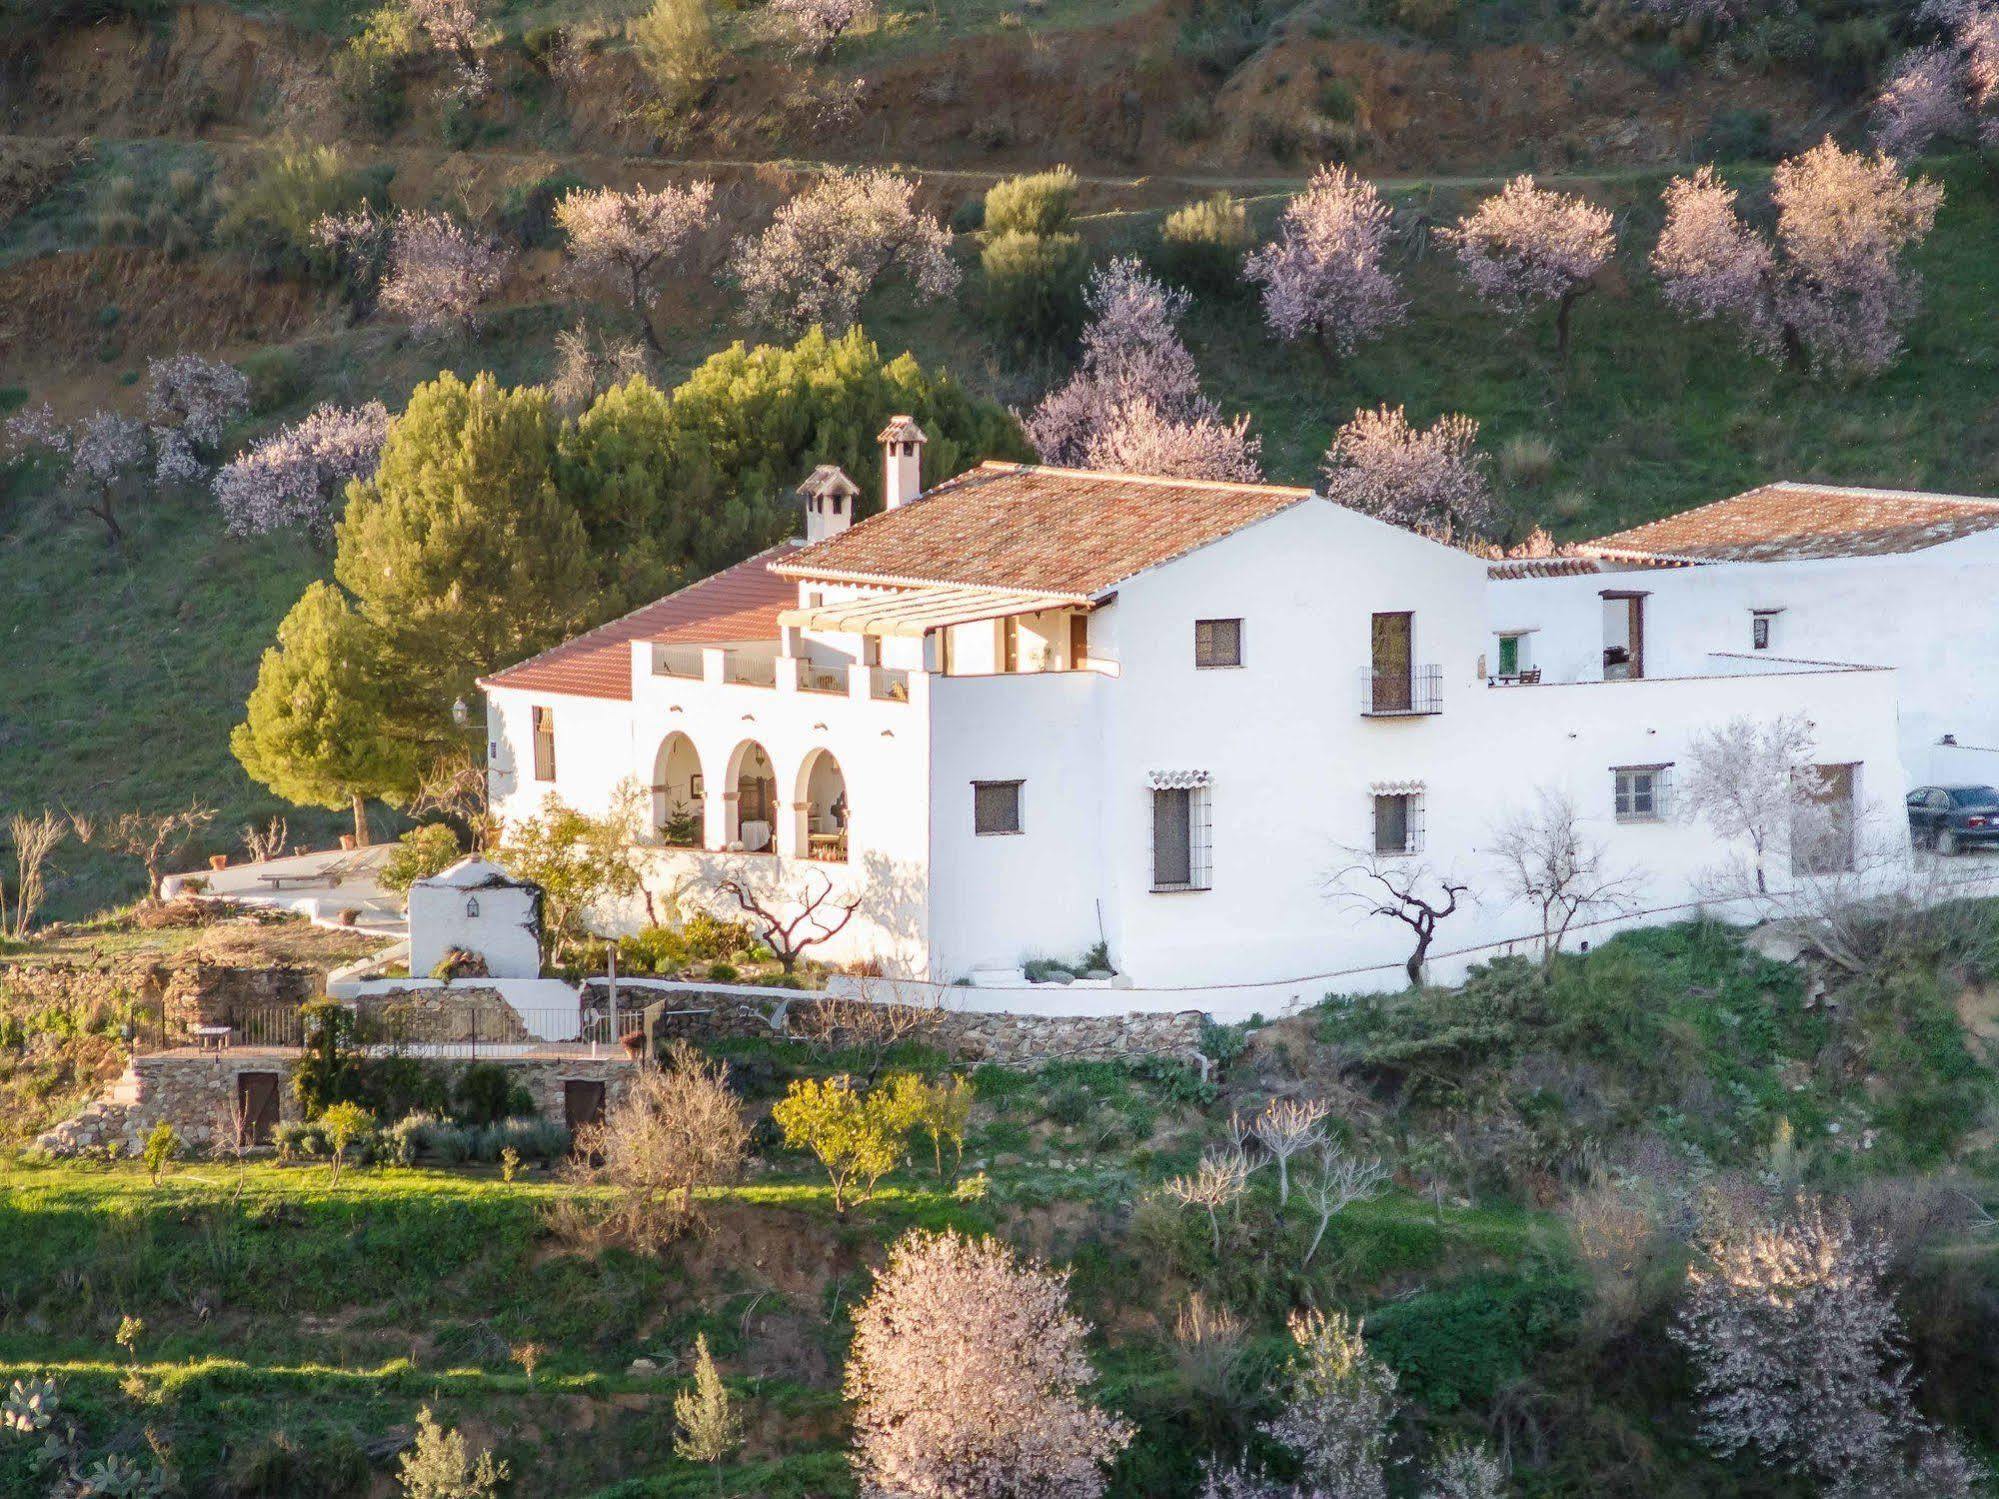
(329, 875)
(278, 881)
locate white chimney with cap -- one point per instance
(830, 497)
(902, 461)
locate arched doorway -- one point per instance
(678, 792)
(822, 808)
(752, 793)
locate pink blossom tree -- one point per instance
(1830, 293)
(98, 453)
(436, 272)
(451, 26)
(828, 247)
(295, 476)
(1526, 245)
(967, 1374)
(1134, 403)
(816, 26)
(1430, 479)
(626, 236)
(1923, 99)
(189, 400)
(1325, 273)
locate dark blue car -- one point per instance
(1946, 818)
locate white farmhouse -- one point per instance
(1032, 710)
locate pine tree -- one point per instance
(319, 728)
(710, 1428)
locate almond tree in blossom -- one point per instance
(451, 26)
(188, 402)
(295, 476)
(437, 272)
(1923, 99)
(1135, 403)
(627, 235)
(1797, 1346)
(829, 246)
(1430, 479)
(1324, 274)
(98, 452)
(1526, 245)
(817, 25)
(967, 1374)
(1830, 292)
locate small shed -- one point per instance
(476, 907)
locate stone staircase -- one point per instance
(103, 1124)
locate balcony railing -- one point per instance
(677, 661)
(828, 679)
(748, 670)
(1402, 694)
(888, 684)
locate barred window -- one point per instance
(1398, 822)
(995, 807)
(1180, 830)
(1641, 792)
(544, 744)
(1217, 642)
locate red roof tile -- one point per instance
(738, 603)
(1788, 522)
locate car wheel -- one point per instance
(1946, 843)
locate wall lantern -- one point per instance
(461, 714)
(472, 907)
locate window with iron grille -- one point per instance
(544, 744)
(1641, 793)
(1180, 831)
(1217, 642)
(995, 807)
(1398, 822)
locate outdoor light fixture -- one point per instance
(471, 906)
(460, 713)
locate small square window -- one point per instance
(1217, 642)
(1398, 823)
(1759, 631)
(1639, 792)
(995, 807)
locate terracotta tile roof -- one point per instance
(1067, 533)
(1790, 522)
(738, 603)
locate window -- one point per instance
(1391, 660)
(995, 808)
(1217, 642)
(544, 744)
(1079, 640)
(1515, 655)
(1179, 837)
(1398, 822)
(1640, 792)
(1762, 626)
(1822, 821)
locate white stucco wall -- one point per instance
(505, 931)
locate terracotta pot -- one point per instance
(634, 1043)
(218, 861)
(346, 842)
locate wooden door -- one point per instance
(1393, 663)
(1079, 640)
(582, 1103)
(257, 1105)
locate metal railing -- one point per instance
(430, 1023)
(828, 679)
(888, 684)
(749, 670)
(1402, 694)
(678, 661)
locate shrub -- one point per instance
(710, 938)
(440, 1466)
(857, 1136)
(299, 1140)
(329, 1071)
(1202, 245)
(675, 40)
(1034, 285)
(394, 1087)
(369, 69)
(1037, 203)
(162, 1145)
(275, 379)
(484, 1094)
(419, 854)
(348, 1126)
(678, 1127)
(270, 218)
(656, 949)
(527, 211)
(1739, 135)
(1463, 1343)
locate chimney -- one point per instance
(829, 501)
(902, 461)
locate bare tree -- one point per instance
(268, 842)
(1406, 890)
(34, 839)
(967, 1374)
(1326, 273)
(454, 786)
(99, 453)
(1217, 1183)
(1747, 781)
(829, 246)
(678, 1127)
(1285, 1127)
(1829, 293)
(816, 915)
(1526, 245)
(627, 236)
(1547, 860)
(1431, 479)
(151, 837)
(870, 1016)
(1796, 1344)
(587, 365)
(1338, 1182)
(817, 25)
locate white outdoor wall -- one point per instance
(1929, 614)
(505, 932)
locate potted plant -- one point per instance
(634, 1043)
(346, 842)
(218, 861)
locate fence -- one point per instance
(464, 1028)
